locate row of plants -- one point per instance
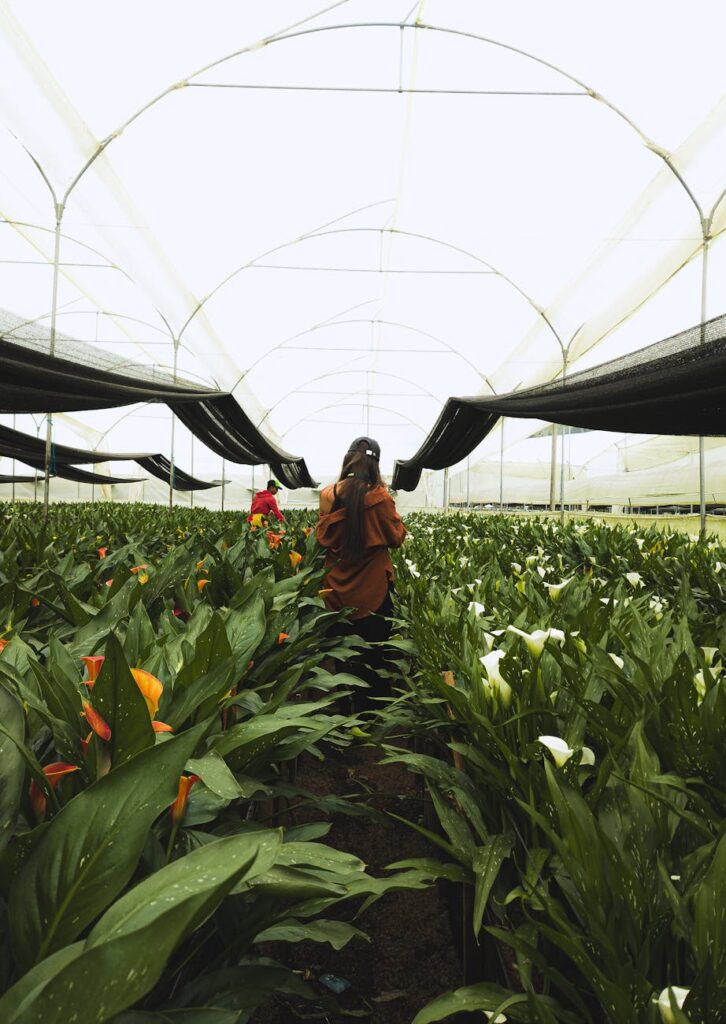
(157, 672)
(565, 686)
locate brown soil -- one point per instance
(411, 957)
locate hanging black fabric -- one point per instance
(224, 427)
(82, 476)
(160, 467)
(34, 381)
(17, 445)
(79, 377)
(31, 450)
(675, 386)
(6, 478)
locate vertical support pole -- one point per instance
(468, 502)
(562, 448)
(59, 208)
(173, 423)
(553, 467)
(446, 488)
(191, 494)
(501, 466)
(13, 465)
(223, 472)
(706, 229)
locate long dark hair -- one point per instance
(359, 474)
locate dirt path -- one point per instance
(411, 956)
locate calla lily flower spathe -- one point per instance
(664, 1002)
(562, 753)
(496, 681)
(555, 589)
(535, 641)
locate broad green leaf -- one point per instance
(119, 701)
(709, 912)
(214, 773)
(90, 849)
(88, 638)
(140, 636)
(127, 950)
(486, 863)
(245, 627)
(12, 772)
(484, 996)
(335, 933)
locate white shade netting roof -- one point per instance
(373, 206)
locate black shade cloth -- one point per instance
(6, 478)
(675, 386)
(79, 377)
(224, 427)
(81, 476)
(160, 467)
(25, 448)
(17, 445)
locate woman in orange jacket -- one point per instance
(358, 524)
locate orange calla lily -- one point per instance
(151, 689)
(295, 559)
(102, 552)
(179, 807)
(274, 539)
(3, 644)
(325, 591)
(99, 725)
(34, 602)
(282, 638)
(138, 568)
(93, 664)
(201, 584)
(109, 583)
(54, 773)
(162, 727)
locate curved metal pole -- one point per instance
(357, 320)
(342, 373)
(361, 405)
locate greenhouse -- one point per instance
(362, 512)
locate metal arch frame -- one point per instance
(341, 373)
(324, 232)
(296, 32)
(362, 405)
(363, 320)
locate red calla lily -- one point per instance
(53, 772)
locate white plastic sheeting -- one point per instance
(406, 200)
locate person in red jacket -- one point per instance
(264, 503)
(358, 524)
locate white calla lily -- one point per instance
(495, 679)
(476, 607)
(700, 683)
(709, 654)
(664, 1002)
(562, 753)
(535, 641)
(617, 659)
(634, 579)
(555, 589)
(558, 748)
